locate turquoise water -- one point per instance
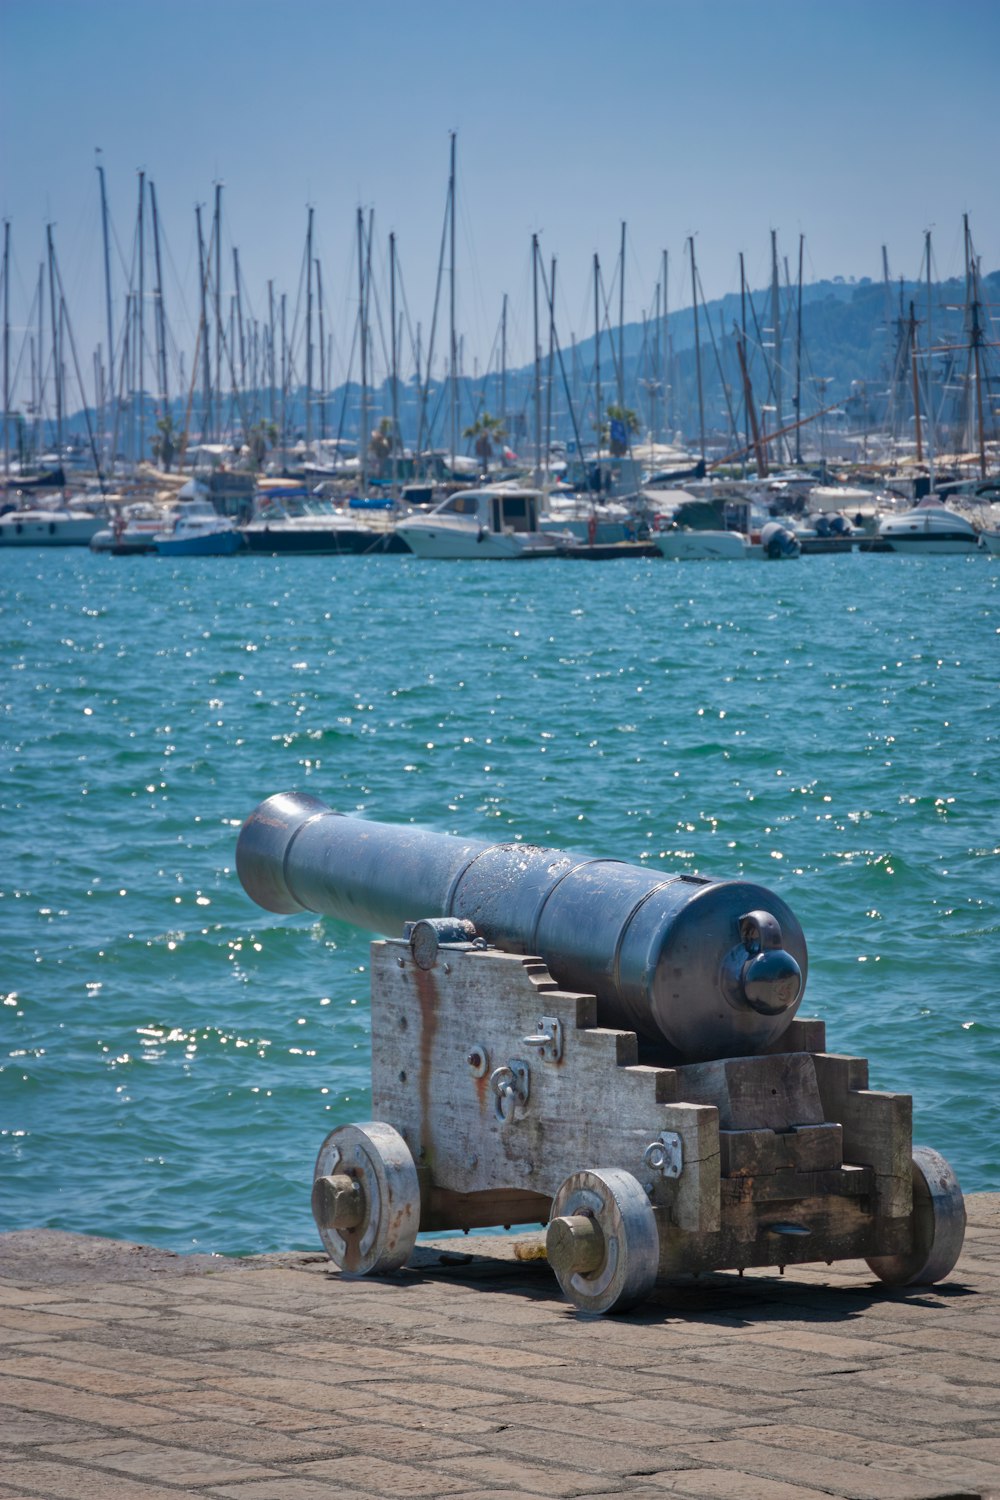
(171, 1056)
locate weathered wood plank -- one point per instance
(771, 1092)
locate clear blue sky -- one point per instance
(854, 123)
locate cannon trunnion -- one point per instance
(505, 1095)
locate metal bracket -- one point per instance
(665, 1155)
(511, 1086)
(548, 1040)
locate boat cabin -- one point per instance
(496, 510)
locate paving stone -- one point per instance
(227, 1407)
(64, 1401)
(249, 1442)
(25, 1427)
(157, 1462)
(102, 1382)
(510, 1474)
(417, 1417)
(838, 1476)
(385, 1478)
(730, 1484)
(292, 1488)
(398, 1443)
(67, 1481)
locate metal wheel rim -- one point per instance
(938, 1221)
(625, 1217)
(377, 1157)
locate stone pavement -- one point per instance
(131, 1374)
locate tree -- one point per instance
(621, 420)
(380, 444)
(163, 442)
(262, 435)
(485, 431)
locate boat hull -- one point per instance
(216, 544)
(448, 544)
(45, 531)
(929, 545)
(702, 546)
(277, 540)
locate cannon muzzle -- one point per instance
(715, 968)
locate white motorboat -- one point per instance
(691, 544)
(990, 542)
(929, 527)
(498, 521)
(133, 529)
(199, 531)
(290, 520)
(55, 527)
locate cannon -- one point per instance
(607, 1050)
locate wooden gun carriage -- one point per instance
(601, 1048)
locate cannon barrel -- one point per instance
(714, 968)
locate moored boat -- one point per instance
(495, 522)
(290, 520)
(199, 531)
(929, 528)
(55, 527)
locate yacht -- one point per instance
(133, 529)
(929, 527)
(290, 520)
(55, 527)
(497, 521)
(198, 531)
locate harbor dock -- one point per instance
(131, 1373)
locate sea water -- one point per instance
(171, 1056)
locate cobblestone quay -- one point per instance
(128, 1373)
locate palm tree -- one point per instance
(620, 420)
(380, 444)
(485, 431)
(262, 436)
(162, 443)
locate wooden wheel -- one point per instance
(602, 1241)
(938, 1223)
(366, 1199)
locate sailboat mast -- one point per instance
(107, 302)
(503, 361)
(56, 353)
(929, 386)
(161, 321)
(270, 350)
(6, 346)
(309, 328)
(916, 388)
(697, 350)
(284, 369)
(206, 362)
(40, 395)
(976, 339)
(451, 314)
(548, 392)
(141, 309)
(537, 354)
(776, 321)
(238, 304)
(217, 233)
(322, 351)
(621, 322)
(798, 362)
(598, 415)
(393, 357)
(666, 347)
(363, 322)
